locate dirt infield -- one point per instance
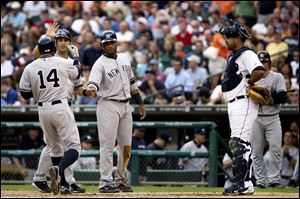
(35, 194)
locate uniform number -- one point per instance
(51, 77)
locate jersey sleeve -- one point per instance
(24, 83)
(73, 70)
(96, 76)
(280, 84)
(251, 61)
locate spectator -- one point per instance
(294, 128)
(154, 65)
(7, 61)
(16, 17)
(178, 98)
(138, 143)
(86, 162)
(33, 9)
(203, 97)
(290, 154)
(227, 165)
(167, 54)
(198, 74)
(160, 143)
(90, 55)
(195, 145)
(293, 40)
(31, 141)
(151, 86)
(180, 78)
(124, 35)
(293, 97)
(9, 94)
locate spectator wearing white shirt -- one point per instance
(124, 35)
(16, 17)
(33, 9)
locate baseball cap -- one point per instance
(165, 136)
(15, 5)
(194, 58)
(143, 20)
(153, 62)
(200, 131)
(87, 138)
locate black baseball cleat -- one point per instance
(109, 189)
(54, 179)
(125, 187)
(65, 190)
(233, 190)
(77, 189)
(41, 186)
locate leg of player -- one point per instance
(40, 177)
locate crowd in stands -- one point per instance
(164, 41)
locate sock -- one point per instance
(55, 160)
(69, 158)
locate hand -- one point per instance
(52, 29)
(91, 92)
(74, 51)
(142, 112)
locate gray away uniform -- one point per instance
(112, 79)
(267, 127)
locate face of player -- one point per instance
(62, 45)
(110, 48)
(230, 42)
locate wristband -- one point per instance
(250, 83)
(288, 157)
(84, 92)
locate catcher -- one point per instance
(269, 92)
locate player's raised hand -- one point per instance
(74, 51)
(52, 29)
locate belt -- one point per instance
(53, 103)
(267, 115)
(238, 97)
(121, 101)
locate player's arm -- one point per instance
(24, 85)
(134, 92)
(256, 75)
(51, 33)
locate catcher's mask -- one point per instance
(264, 56)
(46, 45)
(233, 29)
(108, 36)
(63, 33)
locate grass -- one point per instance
(94, 188)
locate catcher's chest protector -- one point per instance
(231, 78)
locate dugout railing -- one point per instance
(167, 175)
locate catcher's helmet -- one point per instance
(264, 56)
(46, 45)
(232, 28)
(108, 36)
(63, 33)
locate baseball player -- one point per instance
(242, 64)
(62, 39)
(267, 127)
(46, 79)
(113, 80)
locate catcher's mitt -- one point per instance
(260, 95)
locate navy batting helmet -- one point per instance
(46, 45)
(232, 28)
(264, 56)
(63, 33)
(108, 36)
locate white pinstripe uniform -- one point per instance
(112, 79)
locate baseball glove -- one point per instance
(73, 51)
(260, 95)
